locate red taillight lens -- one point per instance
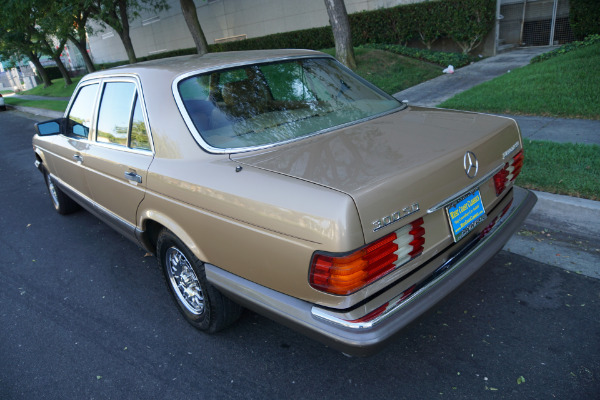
(509, 173)
(347, 274)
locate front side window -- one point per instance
(265, 104)
(80, 115)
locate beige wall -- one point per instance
(219, 19)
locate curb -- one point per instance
(38, 111)
(572, 215)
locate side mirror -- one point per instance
(52, 127)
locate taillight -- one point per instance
(349, 273)
(509, 173)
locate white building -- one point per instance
(220, 19)
(529, 22)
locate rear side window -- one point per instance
(115, 109)
(139, 135)
(120, 117)
(80, 115)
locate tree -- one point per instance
(188, 8)
(20, 33)
(15, 46)
(48, 48)
(79, 11)
(338, 17)
(469, 21)
(116, 14)
(52, 26)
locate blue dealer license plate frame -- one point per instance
(465, 213)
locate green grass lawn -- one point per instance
(56, 105)
(391, 72)
(567, 86)
(564, 168)
(6, 91)
(57, 89)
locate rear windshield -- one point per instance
(265, 104)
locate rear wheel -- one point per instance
(63, 204)
(201, 304)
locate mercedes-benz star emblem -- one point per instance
(471, 164)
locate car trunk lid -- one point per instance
(392, 163)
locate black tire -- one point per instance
(201, 304)
(62, 203)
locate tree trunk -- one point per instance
(61, 68)
(191, 19)
(338, 17)
(40, 68)
(124, 32)
(55, 54)
(80, 43)
(81, 47)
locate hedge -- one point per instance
(584, 16)
(441, 58)
(466, 22)
(53, 73)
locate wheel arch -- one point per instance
(40, 160)
(152, 222)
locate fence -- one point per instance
(534, 22)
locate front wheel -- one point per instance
(62, 203)
(202, 305)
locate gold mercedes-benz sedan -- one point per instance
(282, 182)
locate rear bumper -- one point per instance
(364, 338)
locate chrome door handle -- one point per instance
(78, 158)
(132, 176)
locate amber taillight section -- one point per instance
(349, 273)
(509, 173)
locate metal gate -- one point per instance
(533, 23)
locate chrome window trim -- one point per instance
(122, 148)
(232, 150)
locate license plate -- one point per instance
(465, 214)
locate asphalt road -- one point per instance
(84, 314)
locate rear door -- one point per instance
(120, 152)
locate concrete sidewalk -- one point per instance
(561, 130)
(437, 90)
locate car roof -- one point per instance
(175, 66)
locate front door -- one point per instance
(65, 154)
